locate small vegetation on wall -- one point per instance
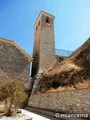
(12, 92)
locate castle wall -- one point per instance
(13, 64)
(76, 101)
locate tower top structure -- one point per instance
(40, 15)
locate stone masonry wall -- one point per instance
(44, 45)
(36, 51)
(47, 48)
(77, 101)
(47, 44)
(44, 49)
(13, 63)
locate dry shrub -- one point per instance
(59, 89)
(83, 84)
(12, 92)
(2, 108)
(80, 85)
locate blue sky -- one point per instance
(72, 21)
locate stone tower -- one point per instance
(44, 44)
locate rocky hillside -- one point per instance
(70, 71)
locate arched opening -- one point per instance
(48, 20)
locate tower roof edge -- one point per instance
(40, 14)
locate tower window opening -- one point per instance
(47, 20)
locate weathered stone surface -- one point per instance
(44, 48)
(44, 44)
(77, 101)
(13, 64)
